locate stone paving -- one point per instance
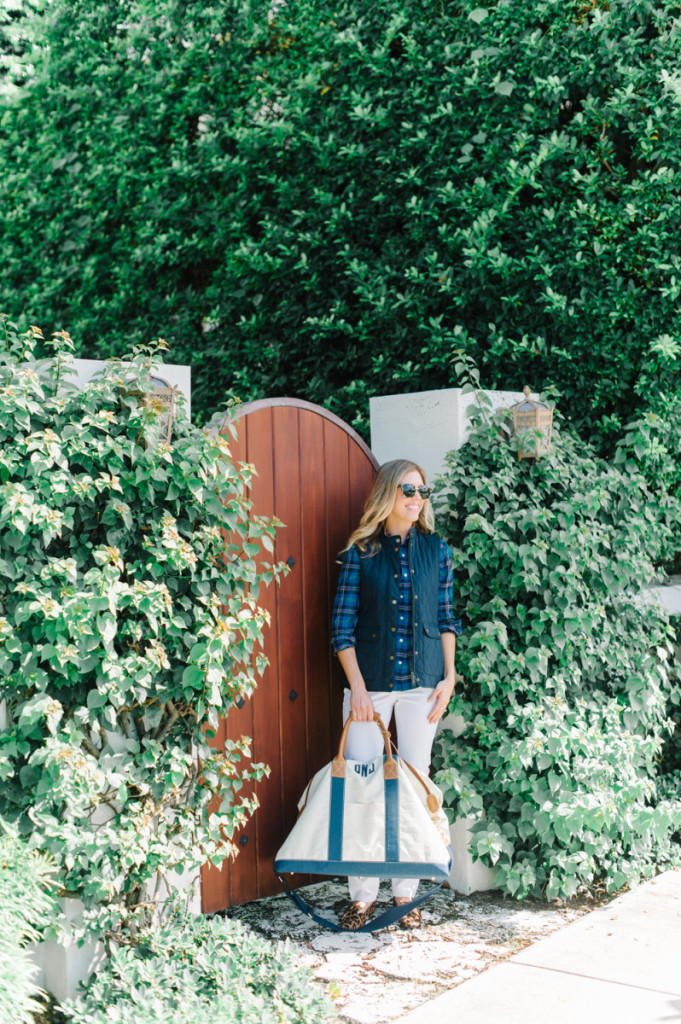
(376, 978)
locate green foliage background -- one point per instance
(328, 200)
(651, 443)
(22, 35)
(128, 623)
(24, 906)
(571, 686)
(340, 200)
(202, 971)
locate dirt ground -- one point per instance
(376, 978)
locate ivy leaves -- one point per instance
(390, 184)
(202, 971)
(128, 625)
(569, 676)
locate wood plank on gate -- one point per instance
(216, 881)
(267, 821)
(242, 871)
(290, 614)
(315, 572)
(338, 528)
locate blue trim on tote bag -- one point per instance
(336, 810)
(374, 869)
(392, 820)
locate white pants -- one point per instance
(415, 736)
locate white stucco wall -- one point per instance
(668, 595)
(425, 425)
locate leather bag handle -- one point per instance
(432, 802)
(390, 767)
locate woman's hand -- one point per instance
(441, 696)
(442, 693)
(361, 705)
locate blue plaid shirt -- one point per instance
(346, 606)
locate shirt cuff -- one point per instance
(342, 645)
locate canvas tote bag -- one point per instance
(381, 818)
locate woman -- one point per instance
(394, 633)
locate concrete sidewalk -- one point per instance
(620, 964)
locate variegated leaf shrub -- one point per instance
(128, 624)
(570, 681)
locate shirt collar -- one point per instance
(390, 538)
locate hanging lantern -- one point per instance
(532, 422)
(161, 397)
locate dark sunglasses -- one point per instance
(409, 490)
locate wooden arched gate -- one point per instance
(314, 473)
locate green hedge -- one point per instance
(199, 971)
(128, 626)
(570, 686)
(651, 443)
(24, 906)
(331, 201)
(22, 35)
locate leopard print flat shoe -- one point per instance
(356, 915)
(412, 919)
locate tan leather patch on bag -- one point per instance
(433, 803)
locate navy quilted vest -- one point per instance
(377, 619)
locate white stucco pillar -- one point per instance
(667, 594)
(425, 425)
(178, 377)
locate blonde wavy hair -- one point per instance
(379, 505)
